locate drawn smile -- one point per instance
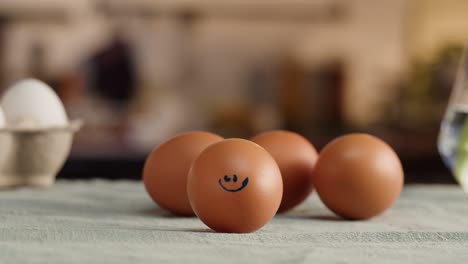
(234, 178)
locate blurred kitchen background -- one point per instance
(140, 71)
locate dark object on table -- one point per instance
(114, 69)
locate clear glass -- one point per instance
(453, 137)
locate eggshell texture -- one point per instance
(296, 158)
(358, 176)
(166, 169)
(235, 186)
(33, 102)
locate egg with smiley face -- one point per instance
(235, 186)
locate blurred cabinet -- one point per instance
(312, 98)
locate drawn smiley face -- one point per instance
(234, 179)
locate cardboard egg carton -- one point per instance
(33, 156)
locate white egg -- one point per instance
(32, 103)
(2, 118)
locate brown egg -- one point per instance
(296, 158)
(166, 169)
(235, 186)
(358, 176)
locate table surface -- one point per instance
(116, 222)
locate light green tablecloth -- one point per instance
(115, 222)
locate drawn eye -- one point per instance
(234, 178)
(227, 179)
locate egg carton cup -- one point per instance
(33, 156)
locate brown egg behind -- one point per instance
(166, 169)
(358, 176)
(235, 186)
(296, 158)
